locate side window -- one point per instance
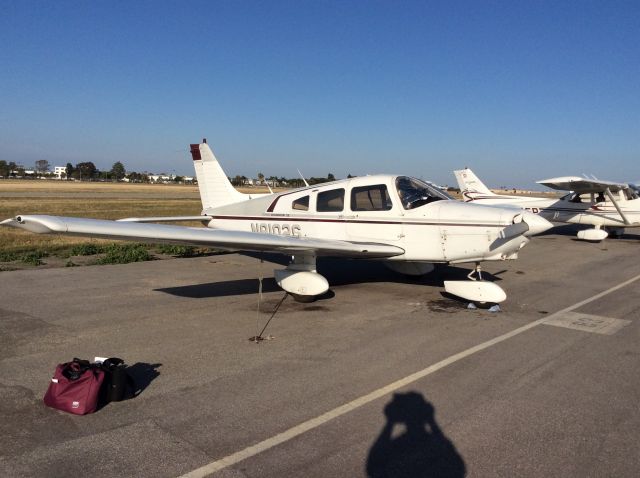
(331, 201)
(301, 204)
(370, 198)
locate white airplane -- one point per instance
(590, 201)
(397, 219)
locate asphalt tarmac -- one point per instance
(385, 376)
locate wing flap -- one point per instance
(199, 236)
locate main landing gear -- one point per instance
(301, 279)
(596, 234)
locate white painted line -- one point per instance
(304, 427)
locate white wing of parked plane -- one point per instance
(199, 236)
(582, 185)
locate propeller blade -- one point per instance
(516, 229)
(527, 224)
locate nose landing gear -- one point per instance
(476, 289)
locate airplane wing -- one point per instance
(199, 236)
(581, 185)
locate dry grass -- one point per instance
(54, 186)
(16, 240)
(95, 200)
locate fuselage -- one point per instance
(574, 208)
(428, 224)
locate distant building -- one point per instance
(60, 171)
(161, 178)
(169, 178)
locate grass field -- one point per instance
(95, 200)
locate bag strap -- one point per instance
(112, 362)
(73, 370)
(83, 364)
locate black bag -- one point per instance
(116, 382)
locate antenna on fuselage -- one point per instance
(305, 181)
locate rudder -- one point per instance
(468, 182)
(213, 183)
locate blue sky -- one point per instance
(518, 91)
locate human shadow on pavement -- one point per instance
(421, 450)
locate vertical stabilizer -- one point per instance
(215, 188)
(470, 185)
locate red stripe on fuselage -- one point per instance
(347, 221)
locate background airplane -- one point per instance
(400, 220)
(590, 201)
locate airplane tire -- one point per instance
(304, 299)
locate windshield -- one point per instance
(415, 193)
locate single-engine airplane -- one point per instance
(590, 201)
(396, 219)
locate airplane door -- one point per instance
(371, 215)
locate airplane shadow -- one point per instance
(421, 450)
(339, 272)
(563, 230)
(222, 289)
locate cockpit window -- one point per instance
(630, 194)
(415, 193)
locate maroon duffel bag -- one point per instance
(75, 387)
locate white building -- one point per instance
(161, 178)
(60, 171)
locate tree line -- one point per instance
(87, 171)
(281, 181)
(82, 171)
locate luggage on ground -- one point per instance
(117, 380)
(81, 387)
(75, 387)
